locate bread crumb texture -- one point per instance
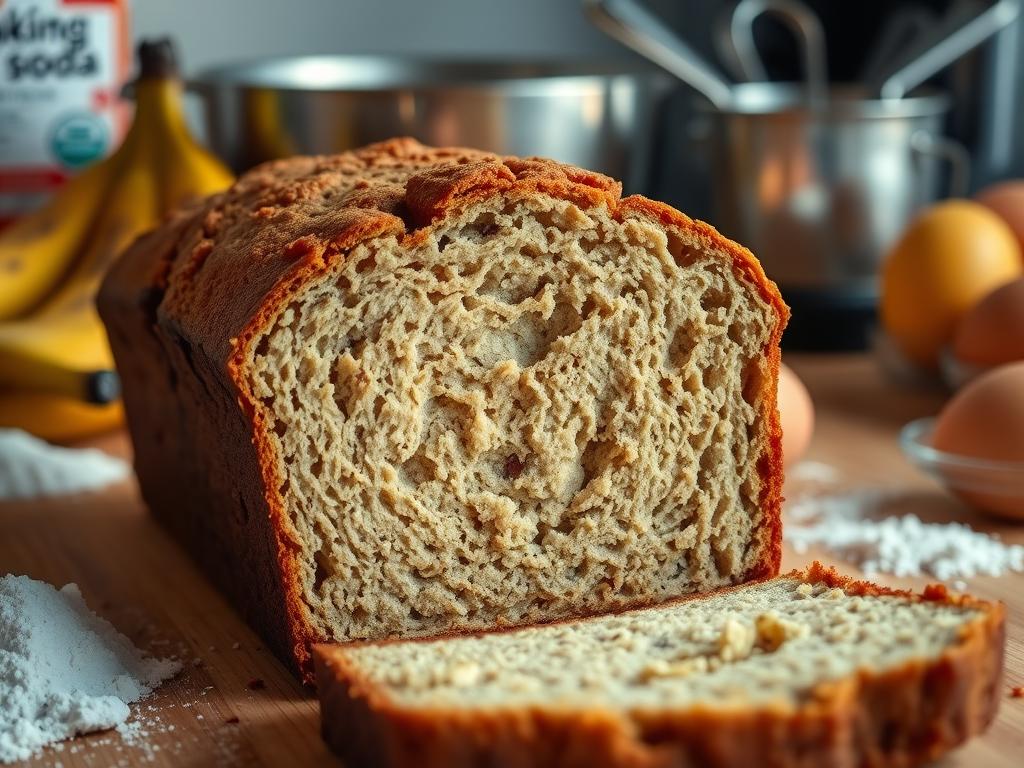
(536, 410)
(774, 642)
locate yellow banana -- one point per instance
(263, 113)
(187, 171)
(60, 352)
(43, 353)
(38, 249)
(57, 419)
(30, 368)
(131, 208)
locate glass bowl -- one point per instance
(995, 486)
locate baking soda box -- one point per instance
(62, 66)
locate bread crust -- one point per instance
(901, 717)
(199, 291)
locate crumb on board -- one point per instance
(236, 645)
(1017, 692)
(256, 684)
(232, 720)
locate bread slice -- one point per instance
(810, 669)
(405, 391)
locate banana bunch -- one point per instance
(56, 370)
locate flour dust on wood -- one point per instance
(63, 670)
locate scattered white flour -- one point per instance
(814, 472)
(31, 467)
(63, 669)
(849, 525)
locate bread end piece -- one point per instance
(903, 716)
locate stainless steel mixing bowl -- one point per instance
(598, 116)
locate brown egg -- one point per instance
(992, 333)
(797, 413)
(985, 420)
(1006, 199)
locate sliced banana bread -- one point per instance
(405, 391)
(810, 669)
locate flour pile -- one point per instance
(851, 525)
(30, 467)
(63, 669)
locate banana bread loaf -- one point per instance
(405, 391)
(810, 669)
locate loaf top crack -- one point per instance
(408, 391)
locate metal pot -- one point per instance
(821, 191)
(598, 116)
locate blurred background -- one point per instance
(985, 82)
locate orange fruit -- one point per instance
(951, 256)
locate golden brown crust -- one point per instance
(183, 424)
(224, 271)
(900, 717)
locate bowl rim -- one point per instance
(846, 102)
(375, 73)
(912, 442)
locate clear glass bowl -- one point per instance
(995, 486)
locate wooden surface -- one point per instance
(134, 575)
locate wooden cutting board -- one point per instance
(234, 704)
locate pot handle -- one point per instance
(950, 150)
(805, 25)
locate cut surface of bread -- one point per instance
(468, 390)
(807, 669)
(532, 412)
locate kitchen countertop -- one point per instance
(135, 575)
